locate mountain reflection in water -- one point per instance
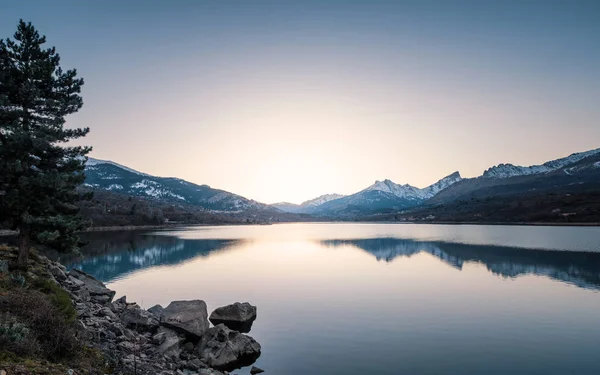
(577, 268)
(110, 256)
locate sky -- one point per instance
(288, 100)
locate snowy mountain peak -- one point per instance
(410, 192)
(92, 162)
(443, 183)
(510, 170)
(320, 200)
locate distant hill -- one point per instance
(383, 196)
(562, 190)
(308, 206)
(124, 196)
(567, 192)
(108, 175)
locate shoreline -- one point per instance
(8, 232)
(178, 339)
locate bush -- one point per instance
(58, 296)
(16, 337)
(51, 333)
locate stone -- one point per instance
(122, 300)
(188, 347)
(98, 292)
(57, 272)
(224, 349)
(74, 283)
(256, 370)
(156, 310)
(105, 311)
(127, 346)
(169, 342)
(188, 317)
(134, 317)
(83, 294)
(117, 329)
(238, 316)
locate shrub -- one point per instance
(16, 337)
(51, 333)
(58, 296)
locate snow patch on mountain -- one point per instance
(92, 162)
(320, 200)
(510, 170)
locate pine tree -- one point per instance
(39, 173)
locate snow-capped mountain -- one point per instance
(308, 206)
(410, 192)
(384, 195)
(108, 175)
(320, 200)
(510, 170)
(572, 174)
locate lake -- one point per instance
(355, 298)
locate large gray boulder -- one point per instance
(238, 316)
(224, 349)
(189, 317)
(98, 292)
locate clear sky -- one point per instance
(288, 100)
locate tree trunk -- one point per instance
(23, 247)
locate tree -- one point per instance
(38, 171)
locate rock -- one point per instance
(255, 370)
(98, 292)
(134, 317)
(169, 342)
(196, 364)
(188, 347)
(238, 316)
(74, 283)
(117, 329)
(189, 317)
(127, 346)
(156, 310)
(224, 349)
(83, 294)
(122, 300)
(209, 371)
(57, 272)
(105, 311)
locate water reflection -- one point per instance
(577, 268)
(110, 256)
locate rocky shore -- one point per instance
(174, 340)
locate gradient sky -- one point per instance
(287, 100)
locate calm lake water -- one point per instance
(380, 298)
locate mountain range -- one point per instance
(574, 174)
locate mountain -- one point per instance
(565, 190)
(108, 175)
(384, 196)
(308, 206)
(510, 170)
(571, 173)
